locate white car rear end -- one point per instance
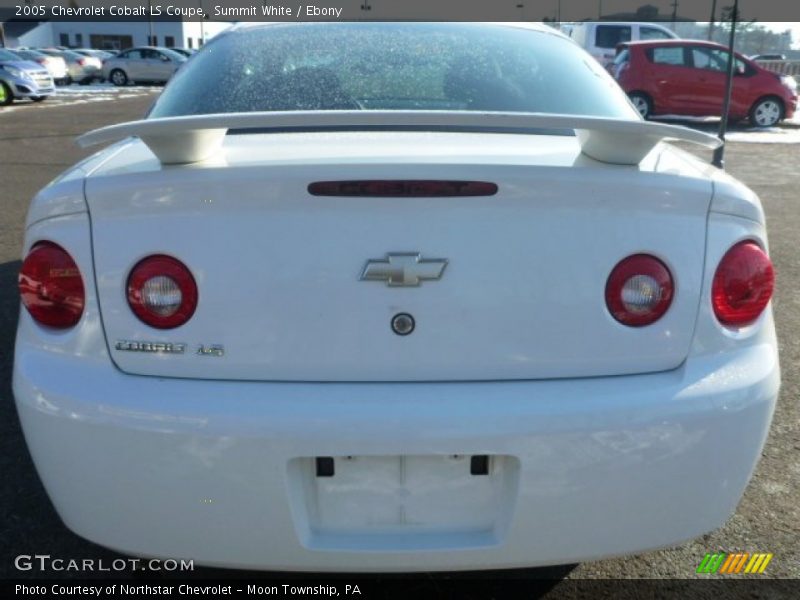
(391, 348)
(57, 68)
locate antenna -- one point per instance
(719, 153)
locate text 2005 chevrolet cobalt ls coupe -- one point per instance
(394, 297)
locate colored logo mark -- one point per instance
(739, 562)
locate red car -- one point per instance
(687, 77)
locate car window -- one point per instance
(722, 56)
(149, 54)
(6, 55)
(704, 58)
(172, 55)
(391, 66)
(131, 55)
(651, 33)
(715, 60)
(622, 57)
(667, 55)
(608, 36)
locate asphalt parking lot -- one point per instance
(84, 94)
(36, 143)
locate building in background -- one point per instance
(110, 35)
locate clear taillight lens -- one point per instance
(51, 286)
(639, 290)
(743, 285)
(162, 292)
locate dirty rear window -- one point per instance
(391, 66)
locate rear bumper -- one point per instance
(791, 107)
(207, 470)
(85, 73)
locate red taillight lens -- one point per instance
(639, 290)
(51, 286)
(81, 61)
(162, 292)
(743, 284)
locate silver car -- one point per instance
(22, 79)
(82, 69)
(146, 63)
(102, 55)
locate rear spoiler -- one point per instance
(188, 139)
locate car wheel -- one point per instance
(6, 97)
(766, 112)
(38, 98)
(642, 103)
(118, 77)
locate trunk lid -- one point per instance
(278, 269)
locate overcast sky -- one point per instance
(795, 27)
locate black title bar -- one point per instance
(401, 10)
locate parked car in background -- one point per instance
(55, 65)
(768, 57)
(259, 332)
(146, 63)
(187, 52)
(601, 39)
(101, 54)
(81, 69)
(23, 79)
(687, 77)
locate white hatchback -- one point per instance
(395, 297)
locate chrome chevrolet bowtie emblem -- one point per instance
(403, 269)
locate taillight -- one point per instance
(51, 287)
(639, 290)
(81, 61)
(162, 292)
(743, 285)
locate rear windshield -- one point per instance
(392, 66)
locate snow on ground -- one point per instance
(84, 94)
(770, 135)
(787, 132)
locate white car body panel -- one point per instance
(598, 440)
(582, 467)
(219, 472)
(193, 138)
(504, 309)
